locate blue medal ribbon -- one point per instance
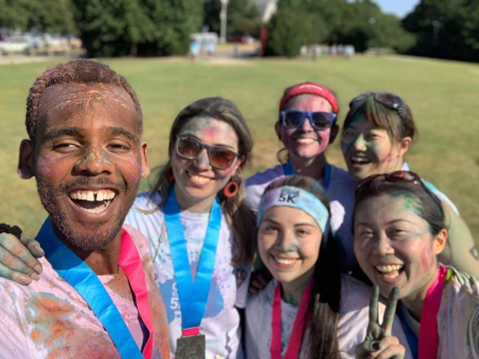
(289, 171)
(193, 296)
(81, 277)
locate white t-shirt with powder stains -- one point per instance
(221, 322)
(50, 319)
(352, 326)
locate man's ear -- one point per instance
(333, 133)
(145, 169)
(277, 128)
(26, 160)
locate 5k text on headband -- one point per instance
(295, 197)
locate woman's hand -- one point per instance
(18, 258)
(379, 343)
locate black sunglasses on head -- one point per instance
(387, 99)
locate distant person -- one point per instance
(349, 51)
(303, 51)
(316, 50)
(333, 51)
(210, 48)
(96, 296)
(340, 50)
(194, 50)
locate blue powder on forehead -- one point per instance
(411, 203)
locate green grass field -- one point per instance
(443, 97)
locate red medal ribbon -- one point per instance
(130, 261)
(428, 332)
(299, 326)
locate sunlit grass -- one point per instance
(443, 97)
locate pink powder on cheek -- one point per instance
(229, 172)
(391, 157)
(323, 137)
(425, 259)
(133, 174)
(45, 166)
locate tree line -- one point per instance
(437, 28)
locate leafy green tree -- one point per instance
(137, 27)
(53, 16)
(291, 27)
(112, 28)
(360, 23)
(243, 17)
(446, 29)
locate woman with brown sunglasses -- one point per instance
(377, 133)
(399, 231)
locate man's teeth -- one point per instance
(390, 271)
(285, 261)
(98, 209)
(92, 196)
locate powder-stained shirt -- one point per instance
(341, 197)
(221, 322)
(458, 317)
(352, 326)
(49, 318)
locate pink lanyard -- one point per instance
(298, 328)
(130, 262)
(428, 332)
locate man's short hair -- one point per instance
(86, 72)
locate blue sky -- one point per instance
(399, 8)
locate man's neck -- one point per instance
(102, 261)
(105, 261)
(311, 168)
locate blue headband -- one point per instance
(297, 198)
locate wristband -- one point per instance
(15, 230)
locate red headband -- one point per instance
(309, 88)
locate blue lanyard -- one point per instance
(289, 171)
(193, 296)
(81, 277)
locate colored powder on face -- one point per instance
(46, 166)
(425, 259)
(409, 203)
(105, 157)
(293, 245)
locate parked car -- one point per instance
(241, 39)
(16, 44)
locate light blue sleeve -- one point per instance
(441, 195)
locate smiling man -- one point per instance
(96, 296)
